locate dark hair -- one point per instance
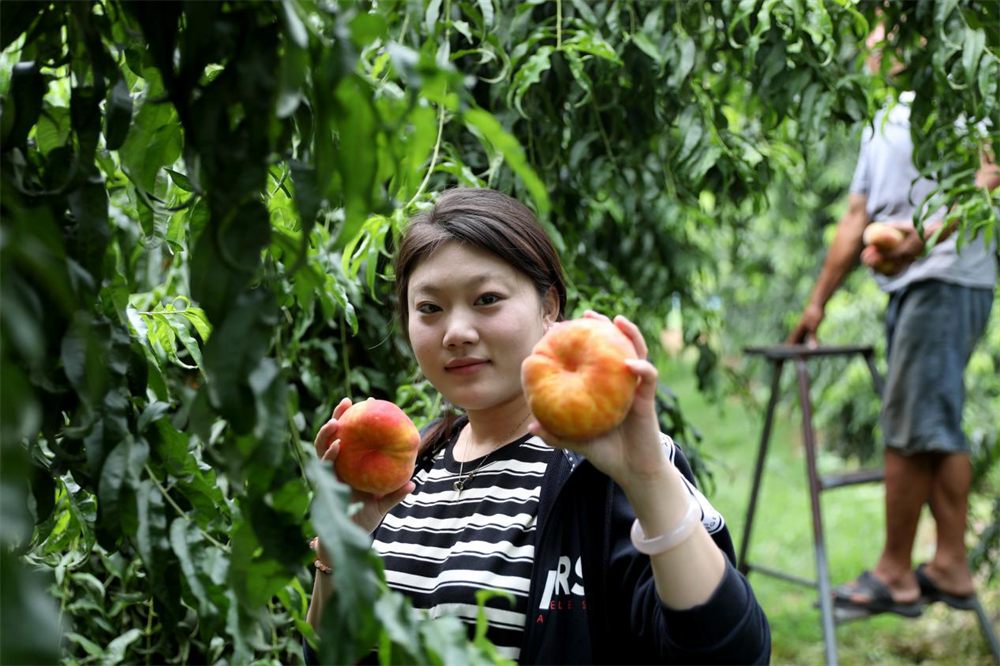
(487, 220)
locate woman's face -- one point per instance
(473, 319)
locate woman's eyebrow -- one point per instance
(430, 288)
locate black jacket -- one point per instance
(593, 598)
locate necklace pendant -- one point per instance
(459, 486)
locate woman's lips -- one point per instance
(469, 369)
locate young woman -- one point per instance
(502, 504)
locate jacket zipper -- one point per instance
(543, 528)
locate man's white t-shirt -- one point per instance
(894, 187)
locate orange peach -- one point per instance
(378, 447)
(576, 380)
(882, 236)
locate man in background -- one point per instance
(939, 304)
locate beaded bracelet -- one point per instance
(670, 540)
(320, 565)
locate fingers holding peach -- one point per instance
(626, 326)
(648, 377)
(593, 314)
(874, 258)
(341, 407)
(326, 436)
(634, 334)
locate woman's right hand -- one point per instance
(373, 507)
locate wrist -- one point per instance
(659, 500)
(672, 538)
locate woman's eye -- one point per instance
(488, 299)
(427, 308)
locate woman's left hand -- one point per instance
(631, 453)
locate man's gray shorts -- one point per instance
(931, 329)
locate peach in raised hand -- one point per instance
(884, 238)
(576, 381)
(378, 447)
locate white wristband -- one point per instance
(675, 537)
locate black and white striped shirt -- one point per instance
(441, 547)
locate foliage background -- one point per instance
(198, 205)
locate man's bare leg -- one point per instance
(949, 569)
(907, 488)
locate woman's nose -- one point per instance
(460, 331)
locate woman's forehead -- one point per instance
(457, 265)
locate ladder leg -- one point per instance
(822, 572)
(988, 631)
(759, 469)
(876, 377)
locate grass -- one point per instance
(782, 538)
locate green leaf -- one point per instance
(348, 547)
(154, 411)
(255, 578)
(185, 537)
(112, 476)
(90, 647)
(117, 648)
(153, 544)
(53, 128)
(236, 347)
(90, 580)
(118, 114)
(586, 13)
(153, 142)
(226, 256)
(181, 331)
(646, 44)
(486, 8)
(180, 180)
(431, 15)
(198, 485)
(972, 51)
(528, 75)
(293, 25)
(367, 27)
(357, 162)
(396, 616)
(684, 61)
(308, 199)
(200, 322)
(489, 129)
(594, 44)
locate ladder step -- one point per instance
(829, 481)
(774, 573)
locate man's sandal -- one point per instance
(930, 592)
(879, 597)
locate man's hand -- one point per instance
(892, 261)
(909, 249)
(805, 331)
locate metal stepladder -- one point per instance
(830, 615)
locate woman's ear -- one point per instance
(550, 307)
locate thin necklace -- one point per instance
(462, 479)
